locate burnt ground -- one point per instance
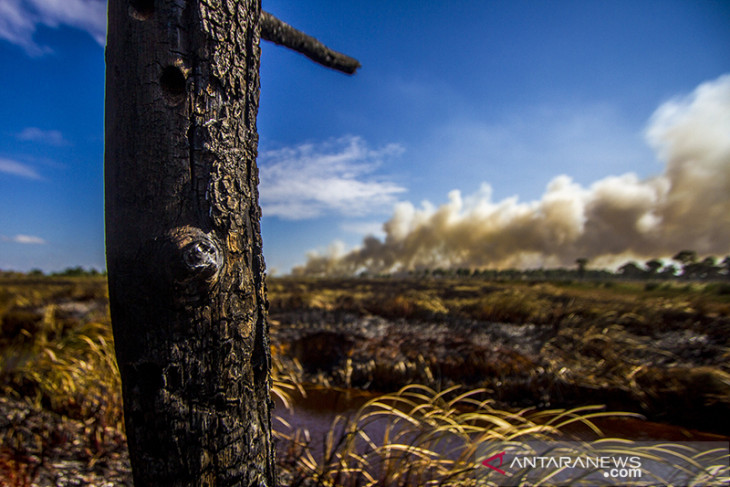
(44, 449)
(669, 363)
(676, 375)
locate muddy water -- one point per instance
(319, 408)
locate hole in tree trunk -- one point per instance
(172, 82)
(141, 9)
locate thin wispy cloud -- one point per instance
(51, 137)
(19, 20)
(334, 177)
(15, 168)
(23, 239)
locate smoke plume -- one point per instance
(615, 219)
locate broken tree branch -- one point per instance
(283, 34)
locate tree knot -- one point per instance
(202, 256)
(195, 258)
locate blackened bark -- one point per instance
(186, 272)
(278, 32)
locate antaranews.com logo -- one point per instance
(605, 462)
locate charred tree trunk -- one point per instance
(186, 273)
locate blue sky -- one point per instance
(493, 99)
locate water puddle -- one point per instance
(317, 410)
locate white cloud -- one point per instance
(18, 169)
(17, 26)
(34, 134)
(19, 20)
(24, 239)
(311, 180)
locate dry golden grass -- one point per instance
(512, 302)
(57, 349)
(416, 436)
(421, 437)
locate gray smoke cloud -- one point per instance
(615, 219)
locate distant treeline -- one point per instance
(684, 265)
(77, 271)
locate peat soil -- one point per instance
(676, 375)
(45, 449)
